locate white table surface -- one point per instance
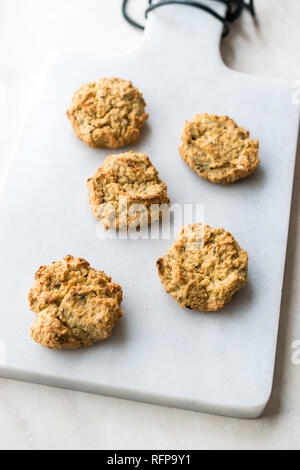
(35, 417)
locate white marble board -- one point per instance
(218, 362)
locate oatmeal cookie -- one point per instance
(75, 305)
(217, 149)
(127, 192)
(204, 268)
(109, 112)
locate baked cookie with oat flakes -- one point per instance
(127, 192)
(216, 148)
(75, 305)
(109, 112)
(204, 268)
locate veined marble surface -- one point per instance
(35, 417)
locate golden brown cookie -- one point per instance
(75, 305)
(109, 112)
(217, 149)
(204, 268)
(126, 191)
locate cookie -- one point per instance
(109, 112)
(75, 305)
(217, 149)
(204, 268)
(126, 192)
